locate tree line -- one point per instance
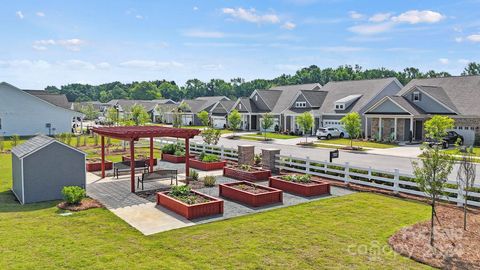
(237, 87)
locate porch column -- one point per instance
(132, 166)
(187, 157)
(411, 128)
(395, 129)
(366, 127)
(103, 155)
(249, 122)
(380, 128)
(151, 154)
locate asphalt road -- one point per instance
(361, 159)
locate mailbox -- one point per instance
(334, 154)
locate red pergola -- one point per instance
(135, 133)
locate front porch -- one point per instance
(394, 128)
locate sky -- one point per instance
(59, 42)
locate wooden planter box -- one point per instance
(315, 188)
(191, 211)
(207, 166)
(271, 195)
(174, 159)
(127, 158)
(256, 175)
(97, 166)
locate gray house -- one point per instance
(209, 104)
(42, 166)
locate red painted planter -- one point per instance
(97, 166)
(271, 195)
(256, 175)
(173, 158)
(193, 211)
(127, 158)
(207, 166)
(312, 189)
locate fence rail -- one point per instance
(387, 180)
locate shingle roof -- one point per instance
(59, 100)
(341, 89)
(404, 103)
(227, 104)
(270, 97)
(314, 97)
(307, 86)
(31, 145)
(249, 104)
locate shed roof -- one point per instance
(36, 143)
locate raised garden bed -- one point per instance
(207, 166)
(313, 188)
(250, 194)
(95, 165)
(207, 205)
(140, 158)
(246, 173)
(174, 159)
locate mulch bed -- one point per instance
(454, 248)
(85, 204)
(250, 188)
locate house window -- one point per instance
(256, 98)
(339, 106)
(240, 106)
(300, 104)
(416, 96)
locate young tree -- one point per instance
(204, 118)
(466, 179)
(436, 166)
(352, 124)
(139, 115)
(266, 123)
(90, 112)
(305, 121)
(211, 136)
(234, 120)
(112, 115)
(183, 107)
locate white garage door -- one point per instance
(331, 123)
(187, 120)
(219, 122)
(468, 134)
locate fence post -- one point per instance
(347, 173)
(396, 179)
(460, 197)
(307, 165)
(370, 173)
(222, 153)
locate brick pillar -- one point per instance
(268, 159)
(246, 154)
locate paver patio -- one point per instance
(149, 218)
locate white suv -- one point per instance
(330, 132)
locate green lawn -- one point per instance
(270, 135)
(454, 151)
(346, 142)
(315, 235)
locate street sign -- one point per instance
(334, 154)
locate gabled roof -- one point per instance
(337, 90)
(36, 143)
(163, 101)
(296, 87)
(405, 104)
(203, 103)
(59, 100)
(248, 104)
(227, 104)
(269, 97)
(460, 93)
(315, 98)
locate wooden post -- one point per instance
(132, 166)
(151, 154)
(103, 156)
(187, 157)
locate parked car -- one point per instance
(450, 139)
(330, 132)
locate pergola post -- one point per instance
(103, 155)
(187, 157)
(132, 165)
(151, 154)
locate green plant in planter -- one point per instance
(73, 194)
(210, 158)
(169, 149)
(194, 175)
(179, 153)
(257, 159)
(180, 191)
(304, 178)
(245, 167)
(209, 181)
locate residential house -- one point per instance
(214, 105)
(151, 106)
(30, 112)
(402, 116)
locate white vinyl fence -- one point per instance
(388, 180)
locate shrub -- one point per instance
(258, 159)
(68, 138)
(179, 153)
(245, 167)
(15, 139)
(210, 158)
(180, 191)
(194, 175)
(73, 194)
(209, 181)
(169, 149)
(201, 156)
(77, 141)
(304, 178)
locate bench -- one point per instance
(124, 167)
(158, 175)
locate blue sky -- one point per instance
(58, 42)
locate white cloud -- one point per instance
(19, 14)
(73, 44)
(356, 15)
(24, 64)
(474, 38)
(289, 25)
(380, 17)
(371, 29)
(140, 17)
(212, 67)
(251, 15)
(464, 61)
(443, 61)
(40, 14)
(458, 39)
(77, 64)
(203, 34)
(195, 8)
(150, 64)
(103, 65)
(419, 16)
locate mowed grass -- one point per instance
(346, 142)
(455, 151)
(343, 232)
(270, 135)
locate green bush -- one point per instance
(180, 191)
(258, 159)
(209, 181)
(304, 178)
(169, 149)
(210, 158)
(73, 194)
(194, 175)
(179, 153)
